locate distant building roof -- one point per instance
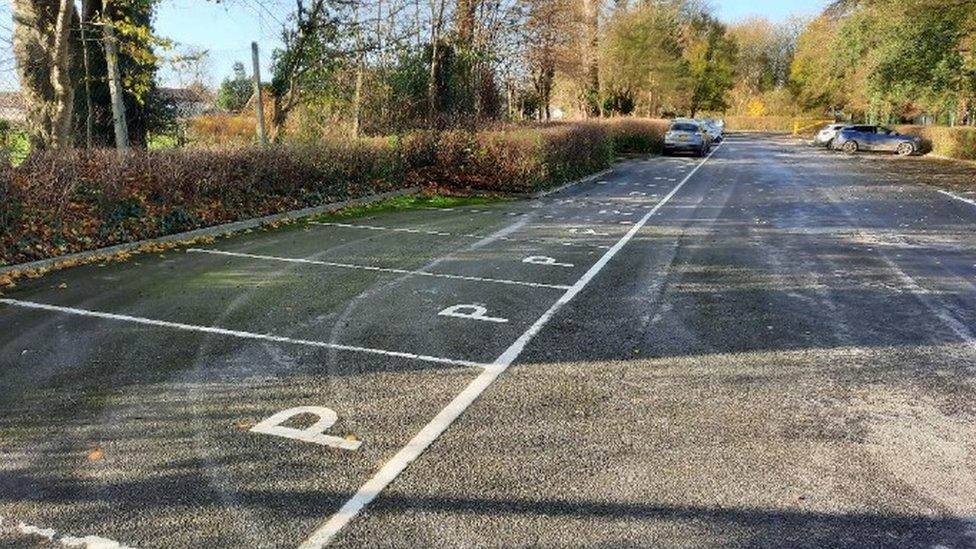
(12, 106)
(11, 100)
(183, 95)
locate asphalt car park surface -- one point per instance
(771, 348)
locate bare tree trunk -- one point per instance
(86, 63)
(357, 98)
(42, 48)
(465, 21)
(433, 99)
(115, 89)
(591, 57)
(64, 90)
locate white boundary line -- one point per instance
(236, 333)
(380, 269)
(464, 235)
(430, 432)
(957, 197)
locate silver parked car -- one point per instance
(687, 136)
(715, 129)
(825, 137)
(852, 139)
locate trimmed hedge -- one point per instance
(637, 135)
(958, 142)
(60, 202)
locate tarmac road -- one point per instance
(773, 347)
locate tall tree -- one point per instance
(591, 57)
(43, 51)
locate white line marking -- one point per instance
(545, 260)
(422, 440)
(380, 269)
(472, 312)
(959, 198)
(314, 433)
(439, 233)
(236, 333)
(50, 534)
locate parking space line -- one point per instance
(430, 432)
(460, 235)
(381, 269)
(957, 197)
(236, 333)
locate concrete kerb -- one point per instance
(216, 230)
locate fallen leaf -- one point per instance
(62, 286)
(96, 455)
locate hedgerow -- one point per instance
(636, 135)
(958, 142)
(60, 202)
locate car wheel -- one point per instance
(830, 144)
(851, 147)
(905, 149)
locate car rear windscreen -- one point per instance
(684, 128)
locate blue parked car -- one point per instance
(852, 139)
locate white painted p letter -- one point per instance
(314, 434)
(543, 260)
(472, 312)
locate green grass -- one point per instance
(15, 144)
(162, 141)
(412, 202)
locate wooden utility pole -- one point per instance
(258, 98)
(115, 89)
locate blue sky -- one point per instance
(776, 10)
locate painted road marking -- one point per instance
(381, 269)
(957, 197)
(543, 260)
(236, 333)
(590, 232)
(422, 440)
(471, 312)
(459, 235)
(315, 433)
(65, 540)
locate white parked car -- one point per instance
(825, 137)
(715, 129)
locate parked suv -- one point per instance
(852, 139)
(687, 136)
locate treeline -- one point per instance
(378, 67)
(887, 60)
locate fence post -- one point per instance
(258, 96)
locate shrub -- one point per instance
(75, 200)
(958, 142)
(60, 202)
(760, 123)
(517, 160)
(215, 129)
(637, 135)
